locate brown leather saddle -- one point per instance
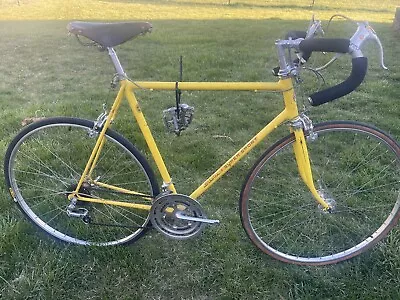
(109, 34)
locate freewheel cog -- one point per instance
(170, 213)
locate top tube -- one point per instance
(279, 86)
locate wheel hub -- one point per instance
(328, 199)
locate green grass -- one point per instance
(195, 10)
(44, 72)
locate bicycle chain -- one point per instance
(87, 220)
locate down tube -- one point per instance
(279, 119)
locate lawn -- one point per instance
(44, 72)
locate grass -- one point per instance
(194, 10)
(43, 72)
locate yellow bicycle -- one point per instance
(320, 195)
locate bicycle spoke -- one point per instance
(45, 167)
(355, 170)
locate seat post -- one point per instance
(117, 65)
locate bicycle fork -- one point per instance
(303, 159)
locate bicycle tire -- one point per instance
(44, 163)
(357, 169)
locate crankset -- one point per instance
(178, 216)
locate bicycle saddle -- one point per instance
(109, 34)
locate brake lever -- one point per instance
(377, 40)
(366, 32)
(363, 33)
(314, 28)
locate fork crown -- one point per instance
(304, 122)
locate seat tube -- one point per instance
(137, 112)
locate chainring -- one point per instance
(163, 216)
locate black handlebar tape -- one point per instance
(325, 45)
(358, 71)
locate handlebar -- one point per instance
(325, 45)
(358, 71)
(357, 75)
(305, 43)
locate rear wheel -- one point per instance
(43, 165)
(356, 168)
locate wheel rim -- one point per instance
(44, 201)
(310, 234)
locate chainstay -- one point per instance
(122, 193)
(118, 225)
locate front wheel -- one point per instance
(43, 165)
(356, 169)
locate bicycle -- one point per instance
(337, 195)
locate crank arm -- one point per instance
(181, 216)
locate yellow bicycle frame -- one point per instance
(127, 88)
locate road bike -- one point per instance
(322, 194)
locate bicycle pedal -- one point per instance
(77, 212)
(181, 216)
